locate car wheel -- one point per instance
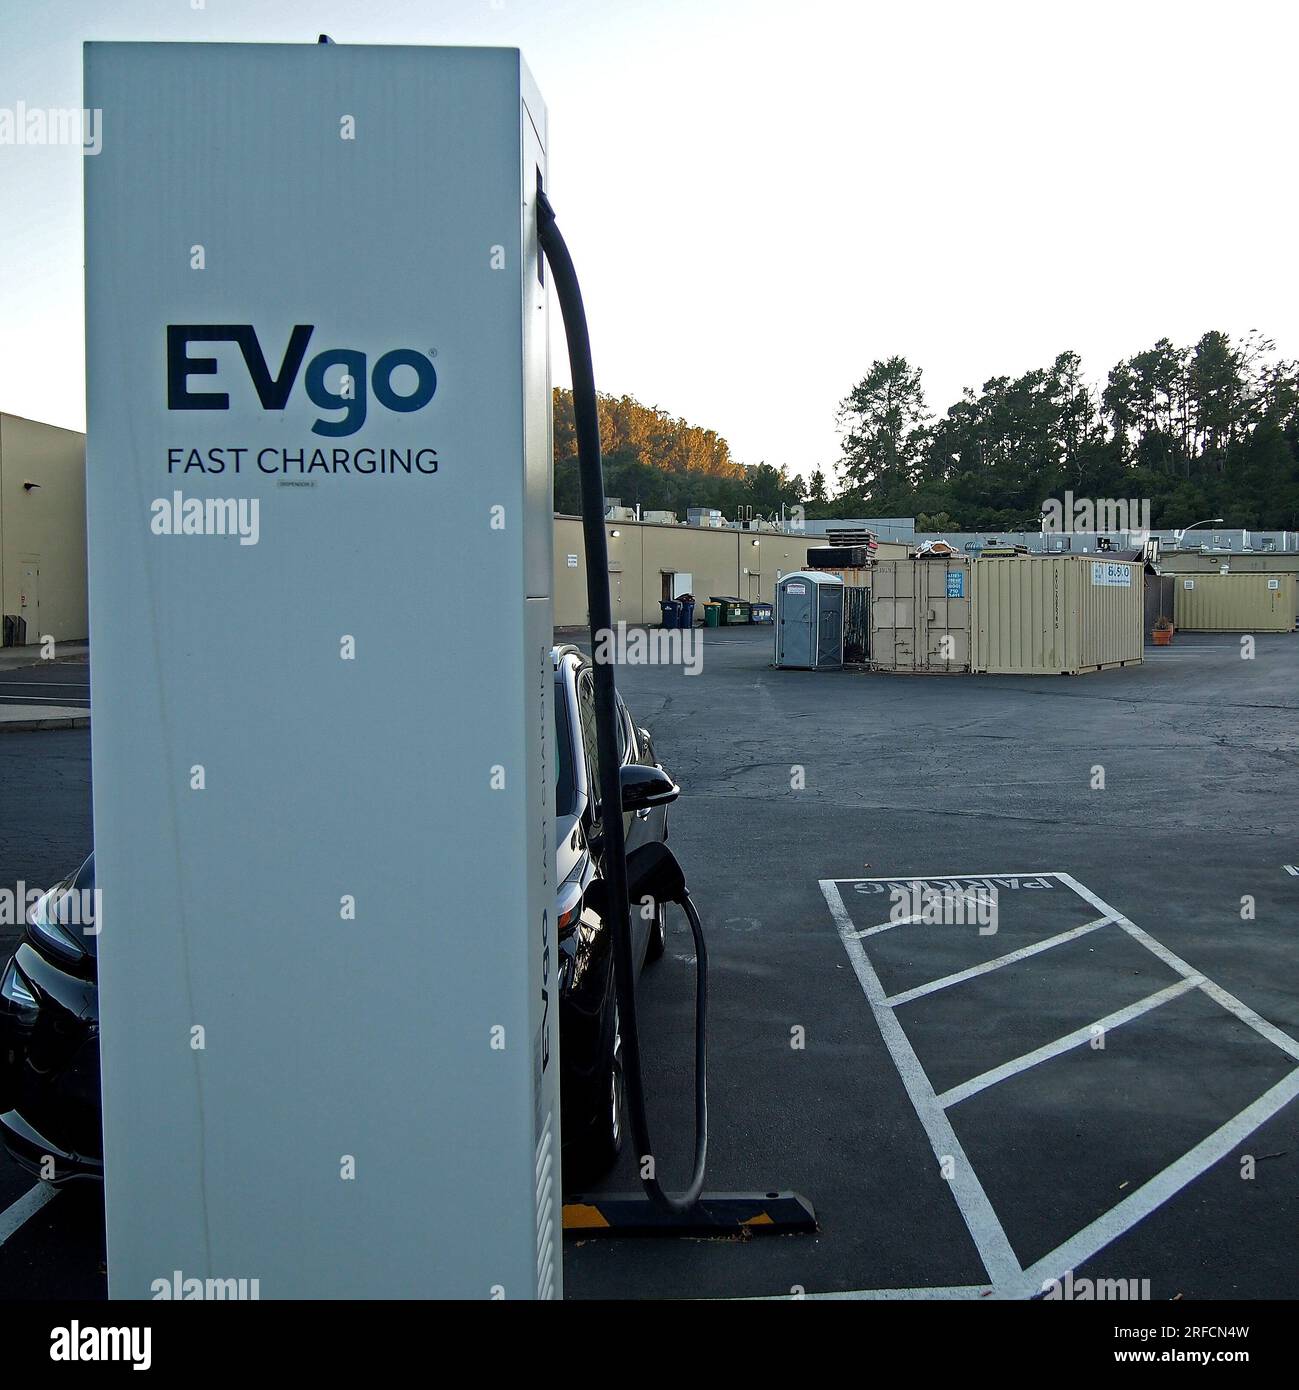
(599, 1148)
(658, 936)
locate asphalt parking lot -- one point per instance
(970, 1113)
(915, 777)
(50, 683)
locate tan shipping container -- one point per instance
(1007, 615)
(1057, 615)
(854, 576)
(1234, 602)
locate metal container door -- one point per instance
(893, 616)
(942, 615)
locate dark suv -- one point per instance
(590, 1050)
(49, 1003)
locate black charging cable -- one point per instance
(600, 608)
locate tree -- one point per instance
(881, 420)
(650, 458)
(1218, 392)
(767, 488)
(1208, 430)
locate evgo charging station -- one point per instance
(319, 458)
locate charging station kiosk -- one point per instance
(319, 500)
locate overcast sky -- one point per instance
(764, 197)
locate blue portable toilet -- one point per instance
(809, 621)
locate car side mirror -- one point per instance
(643, 787)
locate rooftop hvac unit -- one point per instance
(837, 557)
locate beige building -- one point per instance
(42, 532)
(649, 562)
(1235, 562)
(43, 548)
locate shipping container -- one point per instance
(1007, 615)
(920, 614)
(1237, 602)
(853, 576)
(1057, 615)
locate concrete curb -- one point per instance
(54, 721)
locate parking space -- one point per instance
(1085, 1114)
(851, 1054)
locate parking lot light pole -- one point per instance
(1208, 521)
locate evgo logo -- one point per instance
(274, 391)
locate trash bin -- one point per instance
(687, 603)
(734, 610)
(760, 612)
(712, 614)
(671, 612)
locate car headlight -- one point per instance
(16, 993)
(47, 931)
(568, 907)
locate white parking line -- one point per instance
(1009, 959)
(980, 1219)
(1274, 1035)
(888, 926)
(25, 1208)
(1066, 1044)
(1008, 1278)
(1162, 1186)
